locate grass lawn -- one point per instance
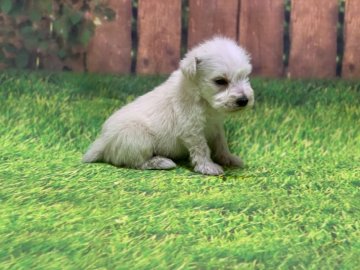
(296, 205)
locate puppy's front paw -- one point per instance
(230, 161)
(209, 168)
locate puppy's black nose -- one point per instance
(241, 102)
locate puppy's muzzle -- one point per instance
(242, 101)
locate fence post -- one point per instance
(313, 38)
(210, 17)
(109, 49)
(351, 60)
(262, 34)
(159, 32)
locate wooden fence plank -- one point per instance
(159, 32)
(110, 49)
(351, 60)
(313, 38)
(261, 28)
(210, 17)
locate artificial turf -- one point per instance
(294, 206)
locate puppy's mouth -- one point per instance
(235, 107)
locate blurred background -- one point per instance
(292, 38)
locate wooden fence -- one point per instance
(322, 43)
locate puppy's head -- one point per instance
(220, 68)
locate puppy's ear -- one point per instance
(189, 66)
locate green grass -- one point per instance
(295, 205)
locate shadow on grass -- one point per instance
(183, 167)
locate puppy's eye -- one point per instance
(221, 82)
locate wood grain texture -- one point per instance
(351, 60)
(313, 38)
(212, 17)
(159, 32)
(109, 50)
(261, 28)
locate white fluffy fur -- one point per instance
(181, 117)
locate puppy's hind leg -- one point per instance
(133, 147)
(158, 163)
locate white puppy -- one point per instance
(183, 116)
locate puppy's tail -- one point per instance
(95, 152)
